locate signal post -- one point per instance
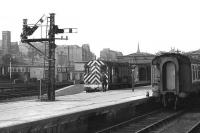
(53, 29)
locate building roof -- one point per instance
(140, 54)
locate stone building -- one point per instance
(6, 42)
(14, 48)
(142, 63)
(109, 55)
(67, 57)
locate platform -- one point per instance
(17, 113)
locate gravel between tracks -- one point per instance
(182, 124)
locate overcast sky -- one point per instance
(119, 25)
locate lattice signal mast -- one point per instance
(53, 29)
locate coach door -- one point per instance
(170, 76)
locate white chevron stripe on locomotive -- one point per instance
(89, 63)
(94, 72)
(101, 62)
(88, 77)
(91, 78)
(96, 81)
(96, 62)
(95, 68)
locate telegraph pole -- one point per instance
(51, 70)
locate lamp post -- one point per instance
(133, 76)
(10, 70)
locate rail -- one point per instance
(160, 122)
(144, 123)
(8, 91)
(126, 122)
(195, 128)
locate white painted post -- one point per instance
(40, 89)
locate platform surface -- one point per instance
(14, 113)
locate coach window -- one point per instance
(198, 72)
(193, 73)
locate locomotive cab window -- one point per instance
(87, 69)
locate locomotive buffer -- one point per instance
(53, 29)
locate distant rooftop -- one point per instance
(138, 53)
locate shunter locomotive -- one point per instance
(118, 75)
(177, 76)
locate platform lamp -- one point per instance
(132, 76)
(10, 67)
(10, 70)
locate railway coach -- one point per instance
(118, 75)
(177, 76)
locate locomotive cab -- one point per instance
(117, 75)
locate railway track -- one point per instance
(189, 122)
(195, 128)
(145, 123)
(10, 91)
(20, 92)
(160, 122)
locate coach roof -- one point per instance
(180, 57)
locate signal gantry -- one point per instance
(52, 30)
